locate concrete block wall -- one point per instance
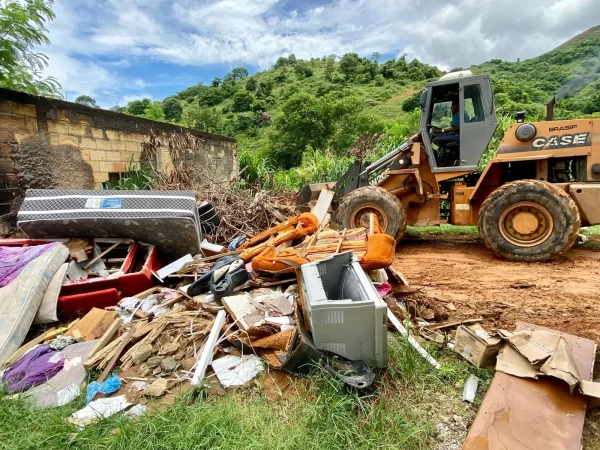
(56, 144)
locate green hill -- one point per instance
(308, 113)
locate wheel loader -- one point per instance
(529, 202)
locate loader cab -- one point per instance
(476, 120)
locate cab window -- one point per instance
(474, 103)
(442, 114)
(441, 107)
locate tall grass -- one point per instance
(317, 166)
(142, 177)
(317, 412)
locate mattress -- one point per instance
(167, 219)
(21, 298)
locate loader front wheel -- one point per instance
(358, 205)
(529, 220)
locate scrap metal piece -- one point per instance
(398, 326)
(207, 350)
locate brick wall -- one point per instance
(56, 144)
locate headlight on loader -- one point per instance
(525, 132)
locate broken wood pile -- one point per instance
(159, 346)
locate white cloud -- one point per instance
(130, 98)
(78, 76)
(252, 32)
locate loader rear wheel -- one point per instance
(358, 205)
(529, 220)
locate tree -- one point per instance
(292, 59)
(229, 77)
(137, 107)
(302, 70)
(119, 109)
(329, 66)
(251, 84)
(411, 103)
(242, 101)
(239, 73)
(216, 82)
(154, 111)
(303, 123)
(211, 97)
(375, 56)
(264, 88)
(87, 101)
(172, 109)
(22, 29)
(203, 119)
(282, 61)
(349, 65)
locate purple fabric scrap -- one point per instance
(35, 367)
(13, 259)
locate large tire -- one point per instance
(529, 220)
(354, 210)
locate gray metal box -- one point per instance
(347, 316)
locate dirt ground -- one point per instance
(459, 271)
(447, 272)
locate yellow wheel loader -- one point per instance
(530, 200)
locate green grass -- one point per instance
(592, 231)
(401, 412)
(454, 230)
(445, 229)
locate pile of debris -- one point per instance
(216, 311)
(297, 292)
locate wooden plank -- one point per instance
(75, 322)
(114, 261)
(28, 346)
(322, 206)
(78, 336)
(456, 324)
(519, 413)
(342, 237)
(118, 351)
(94, 324)
(106, 337)
(112, 247)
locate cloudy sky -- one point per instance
(120, 50)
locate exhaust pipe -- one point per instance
(550, 109)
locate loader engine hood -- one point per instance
(547, 136)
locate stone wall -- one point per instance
(48, 143)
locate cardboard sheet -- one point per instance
(530, 353)
(519, 413)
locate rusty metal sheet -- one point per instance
(519, 414)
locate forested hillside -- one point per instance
(300, 118)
